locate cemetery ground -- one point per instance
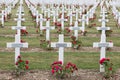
(86, 58)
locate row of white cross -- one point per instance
(79, 2)
(7, 11)
(103, 44)
(116, 15)
(17, 44)
(61, 44)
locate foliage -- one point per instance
(108, 67)
(84, 33)
(76, 44)
(21, 66)
(61, 71)
(108, 32)
(24, 32)
(45, 44)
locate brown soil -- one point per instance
(46, 75)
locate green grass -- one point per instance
(39, 60)
(42, 60)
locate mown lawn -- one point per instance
(39, 60)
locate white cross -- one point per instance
(103, 20)
(62, 21)
(76, 14)
(83, 23)
(9, 9)
(37, 17)
(5, 13)
(55, 15)
(17, 45)
(48, 13)
(2, 18)
(61, 45)
(21, 2)
(103, 11)
(76, 28)
(41, 22)
(87, 18)
(71, 17)
(48, 28)
(103, 45)
(119, 19)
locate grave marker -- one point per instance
(48, 28)
(17, 45)
(76, 28)
(61, 45)
(62, 19)
(83, 20)
(41, 23)
(102, 45)
(2, 18)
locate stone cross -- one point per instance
(48, 28)
(61, 45)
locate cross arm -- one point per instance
(107, 44)
(15, 45)
(103, 28)
(18, 27)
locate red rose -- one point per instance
(102, 60)
(57, 68)
(16, 63)
(76, 68)
(74, 42)
(19, 56)
(60, 62)
(27, 62)
(67, 66)
(27, 67)
(110, 68)
(20, 61)
(22, 41)
(53, 71)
